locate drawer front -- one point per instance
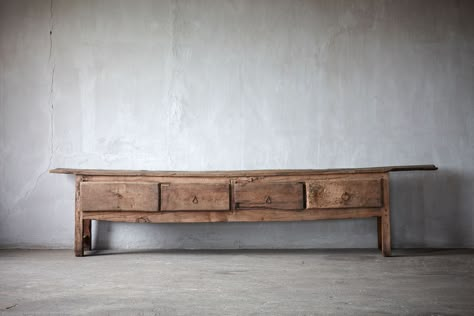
(284, 196)
(119, 196)
(195, 197)
(344, 193)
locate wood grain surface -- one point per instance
(284, 196)
(195, 197)
(119, 196)
(241, 173)
(344, 193)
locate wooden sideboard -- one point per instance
(232, 196)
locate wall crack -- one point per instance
(52, 65)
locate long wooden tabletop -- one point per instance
(239, 173)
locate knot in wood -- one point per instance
(143, 219)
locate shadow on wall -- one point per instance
(427, 209)
(321, 234)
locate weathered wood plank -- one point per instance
(256, 215)
(195, 197)
(241, 173)
(119, 196)
(344, 193)
(227, 180)
(232, 194)
(78, 221)
(283, 196)
(379, 233)
(87, 234)
(385, 220)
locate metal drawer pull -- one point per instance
(345, 196)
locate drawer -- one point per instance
(284, 196)
(344, 193)
(119, 196)
(195, 197)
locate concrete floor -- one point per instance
(298, 282)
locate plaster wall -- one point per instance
(215, 85)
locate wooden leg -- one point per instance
(87, 235)
(386, 242)
(379, 232)
(79, 223)
(78, 237)
(385, 221)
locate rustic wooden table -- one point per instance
(232, 196)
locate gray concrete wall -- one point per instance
(204, 85)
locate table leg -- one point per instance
(385, 220)
(379, 232)
(87, 234)
(79, 223)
